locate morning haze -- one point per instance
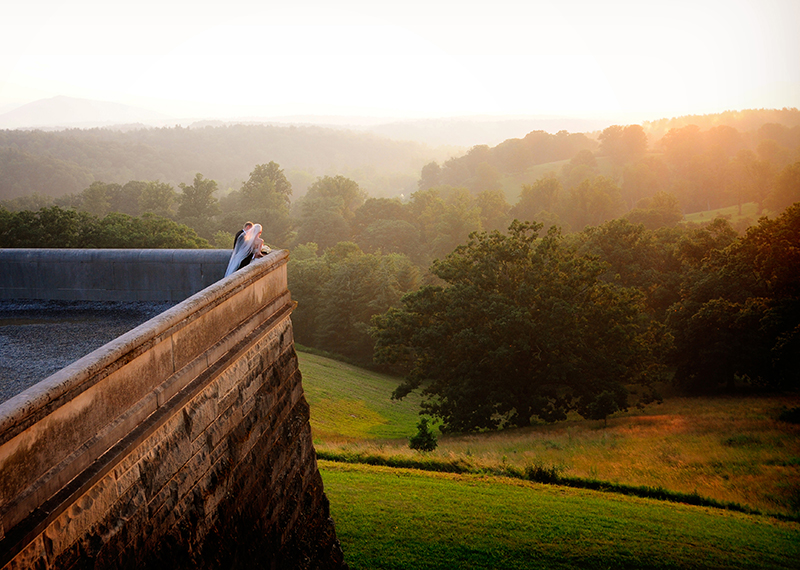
(544, 255)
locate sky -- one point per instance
(629, 60)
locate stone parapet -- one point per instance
(184, 443)
(109, 274)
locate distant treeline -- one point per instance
(55, 227)
(702, 169)
(748, 120)
(65, 162)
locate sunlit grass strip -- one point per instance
(541, 474)
(394, 518)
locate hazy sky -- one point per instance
(430, 58)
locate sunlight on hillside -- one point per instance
(728, 449)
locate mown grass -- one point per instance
(389, 518)
(351, 405)
(749, 213)
(728, 450)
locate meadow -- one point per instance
(749, 213)
(731, 451)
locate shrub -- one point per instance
(425, 439)
(791, 416)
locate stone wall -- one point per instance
(109, 274)
(184, 443)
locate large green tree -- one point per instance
(264, 199)
(740, 312)
(158, 198)
(523, 327)
(341, 189)
(198, 204)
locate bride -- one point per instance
(247, 247)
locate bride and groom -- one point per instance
(247, 246)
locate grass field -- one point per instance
(405, 519)
(749, 213)
(731, 450)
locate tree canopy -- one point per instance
(740, 313)
(55, 227)
(523, 327)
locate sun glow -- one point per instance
(413, 59)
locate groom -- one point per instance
(246, 227)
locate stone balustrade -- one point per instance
(184, 443)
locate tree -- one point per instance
(583, 165)
(662, 210)
(307, 273)
(268, 187)
(643, 179)
(263, 198)
(486, 178)
(158, 198)
(58, 228)
(197, 201)
(344, 190)
(424, 440)
(593, 202)
(623, 144)
(753, 178)
(374, 209)
(787, 188)
(127, 198)
(322, 222)
(740, 313)
(636, 257)
(681, 146)
(605, 404)
(390, 236)
(339, 292)
(541, 196)
(96, 199)
(49, 227)
(494, 210)
(522, 327)
(430, 176)
(425, 209)
(460, 217)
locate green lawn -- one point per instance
(350, 404)
(729, 450)
(406, 519)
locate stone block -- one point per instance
(72, 525)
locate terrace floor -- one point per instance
(39, 338)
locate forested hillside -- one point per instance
(743, 121)
(65, 162)
(503, 310)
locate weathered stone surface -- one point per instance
(108, 275)
(198, 455)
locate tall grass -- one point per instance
(729, 450)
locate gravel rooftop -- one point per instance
(39, 338)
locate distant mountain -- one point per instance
(68, 112)
(58, 113)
